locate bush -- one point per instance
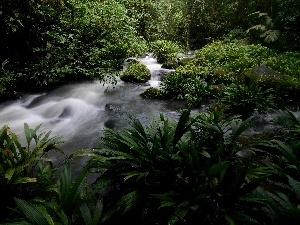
(164, 50)
(181, 173)
(136, 72)
(245, 99)
(233, 58)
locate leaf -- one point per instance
(238, 126)
(295, 185)
(163, 197)
(27, 134)
(229, 220)
(33, 213)
(166, 204)
(182, 126)
(217, 168)
(86, 214)
(128, 201)
(97, 212)
(25, 180)
(9, 173)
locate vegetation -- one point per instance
(136, 72)
(164, 50)
(202, 168)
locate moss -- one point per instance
(136, 72)
(152, 93)
(185, 61)
(170, 64)
(284, 86)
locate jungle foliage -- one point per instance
(203, 167)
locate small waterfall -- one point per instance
(155, 69)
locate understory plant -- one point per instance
(70, 204)
(246, 99)
(181, 172)
(25, 171)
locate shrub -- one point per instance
(181, 172)
(197, 91)
(245, 99)
(233, 58)
(136, 72)
(164, 50)
(173, 85)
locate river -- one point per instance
(79, 112)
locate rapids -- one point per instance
(79, 112)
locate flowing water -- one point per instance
(79, 112)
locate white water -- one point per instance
(77, 112)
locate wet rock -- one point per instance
(265, 71)
(161, 74)
(65, 113)
(111, 124)
(170, 64)
(113, 107)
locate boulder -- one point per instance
(136, 72)
(170, 64)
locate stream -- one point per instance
(79, 112)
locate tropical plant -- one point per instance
(246, 99)
(25, 171)
(265, 29)
(180, 172)
(71, 206)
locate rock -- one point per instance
(65, 113)
(161, 74)
(136, 72)
(170, 64)
(113, 107)
(111, 124)
(184, 61)
(265, 71)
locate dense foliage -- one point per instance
(203, 167)
(46, 43)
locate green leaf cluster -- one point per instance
(185, 171)
(164, 50)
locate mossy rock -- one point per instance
(152, 93)
(284, 86)
(185, 61)
(170, 64)
(136, 72)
